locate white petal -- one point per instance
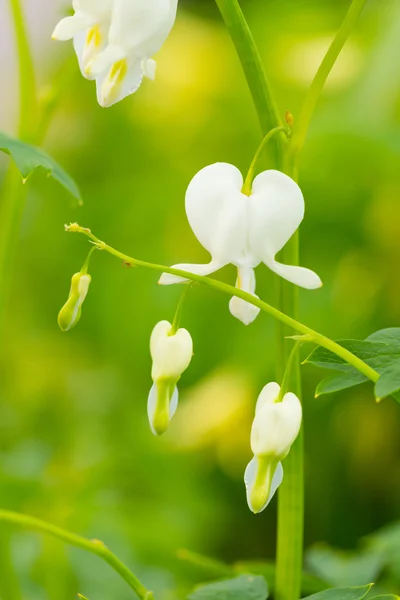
(217, 212)
(142, 26)
(242, 310)
(121, 80)
(149, 67)
(268, 395)
(171, 354)
(249, 479)
(88, 44)
(67, 28)
(103, 62)
(152, 406)
(300, 276)
(277, 209)
(203, 270)
(276, 426)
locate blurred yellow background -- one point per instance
(75, 446)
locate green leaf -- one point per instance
(345, 568)
(28, 158)
(389, 381)
(376, 354)
(244, 587)
(386, 597)
(390, 335)
(342, 593)
(309, 583)
(336, 383)
(379, 351)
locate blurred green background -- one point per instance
(75, 446)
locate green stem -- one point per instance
(14, 193)
(260, 88)
(290, 322)
(252, 170)
(291, 493)
(94, 546)
(303, 122)
(27, 84)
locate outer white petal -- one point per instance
(242, 310)
(87, 14)
(167, 279)
(277, 209)
(171, 354)
(217, 213)
(249, 479)
(142, 26)
(276, 426)
(300, 276)
(152, 405)
(268, 395)
(67, 28)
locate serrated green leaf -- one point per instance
(389, 381)
(342, 593)
(244, 587)
(28, 158)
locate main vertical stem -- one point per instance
(291, 493)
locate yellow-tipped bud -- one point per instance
(70, 313)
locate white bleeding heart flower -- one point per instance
(244, 230)
(138, 30)
(89, 28)
(275, 427)
(171, 353)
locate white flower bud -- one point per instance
(70, 313)
(275, 427)
(171, 354)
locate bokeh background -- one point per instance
(75, 446)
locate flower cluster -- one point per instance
(115, 41)
(244, 223)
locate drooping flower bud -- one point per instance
(171, 353)
(275, 427)
(70, 313)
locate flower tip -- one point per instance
(160, 423)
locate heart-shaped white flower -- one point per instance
(244, 230)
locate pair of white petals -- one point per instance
(244, 230)
(275, 427)
(115, 40)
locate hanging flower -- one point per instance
(171, 353)
(89, 28)
(244, 230)
(138, 30)
(70, 313)
(115, 41)
(275, 427)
